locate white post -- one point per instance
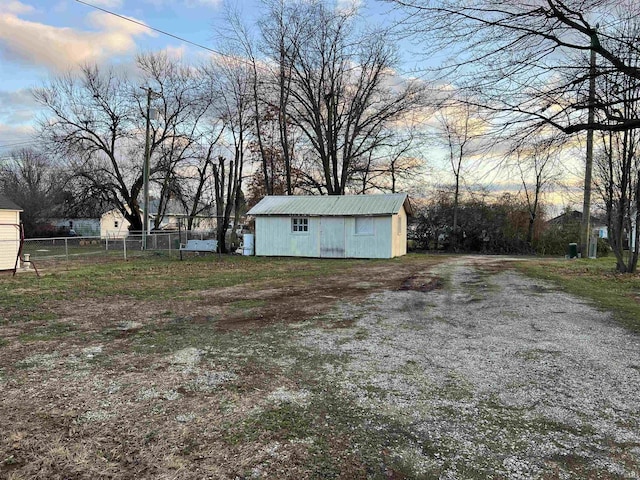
(66, 249)
(124, 247)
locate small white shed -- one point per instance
(9, 233)
(346, 226)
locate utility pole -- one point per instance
(585, 225)
(145, 171)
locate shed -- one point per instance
(9, 233)
(346, 226)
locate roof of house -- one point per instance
(332, 205)
(574, 216)
(6, 204)
(173, 208)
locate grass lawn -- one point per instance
(157, 368)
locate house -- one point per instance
(114, 225)
(9, 233)
(83, 227)
(349, 226)
(598, 225)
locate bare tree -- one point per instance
(461, 129)
(184, 108)
(532, 54)
(281, 38)
(537, 163)
(392, 167)
(35, 183)
(618, 162)
(233, 78)
(91, 120)
(341, 93)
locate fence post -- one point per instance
(66, 249)
(169, 243)
(106, 244)
(124, 247)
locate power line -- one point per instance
(152, 28)
(18, 144)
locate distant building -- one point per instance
(9, 233)
(348, 226)
(82, 227)
(113, 224)
(598, 225)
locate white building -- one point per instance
(348, 226)
(9, 233)
(113, 224)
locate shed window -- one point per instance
(299, 225)
(115, 223)
(364, 226)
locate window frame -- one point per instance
(300, 225)
(367, 233)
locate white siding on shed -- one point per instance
(9, 238)
(277, 239)
(274, 237)
(355, 226)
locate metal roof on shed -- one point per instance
(332, 205)
(6, 204)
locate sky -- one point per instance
(43, 38)
(40, 39)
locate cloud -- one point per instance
(60, 48)
(14, 136)
(15, 7)
(107, 3)
(17, 99)
(17, 112)
(187, 3)
(349, 6)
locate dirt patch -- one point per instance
(421, 283)
(293, 303)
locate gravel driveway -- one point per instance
(492, 375)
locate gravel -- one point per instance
(493, 376)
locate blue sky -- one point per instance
(42, 38)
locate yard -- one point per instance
(239, 368)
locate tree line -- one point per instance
(308, 102)
(547, 69)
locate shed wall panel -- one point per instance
(332, 237)
(399, 233)
(275, 238)
(376, 245)
(9, 238)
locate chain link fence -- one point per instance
(77, 248)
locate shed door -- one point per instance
(332, 243)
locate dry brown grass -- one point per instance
(90, 385)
